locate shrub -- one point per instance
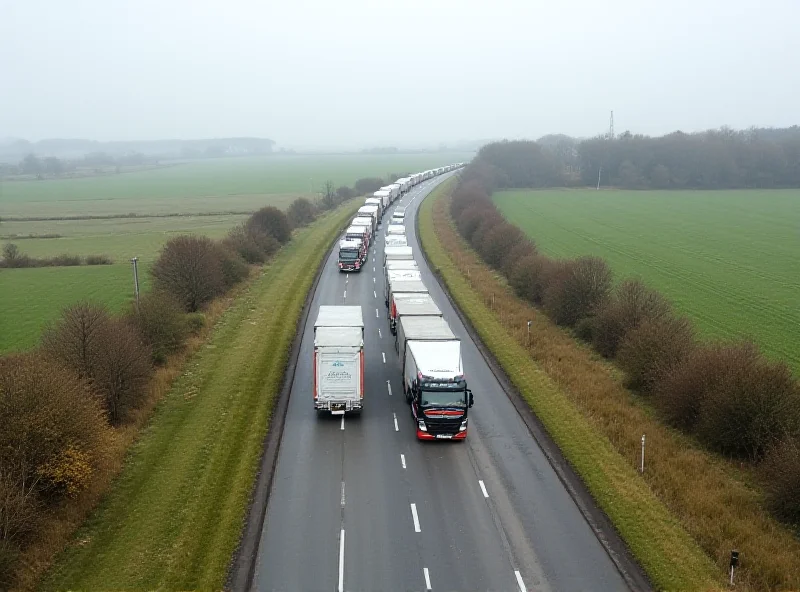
(467, 195)
(368, 185)
(251, 243)
(523, 248)
(344, 192)
(123, 370)
(485, 226)
(751, 407)
(782, 482)
(554, 278)
(161, 323)
(13, 258)
(301, 212)
(580, 288)
(632, 303)
(529, 276)
(195, 321)
(99, 260)
(498, 242)
(77, 337)
(650, 350)
(189, 268)
(470, 220)
(234, 268)
(270, 220)
(64, 260)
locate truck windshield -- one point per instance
(443, 399)
(348, 255)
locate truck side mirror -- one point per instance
(471, 398)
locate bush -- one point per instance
(344, 192)
(99, 260)
(301, 212)
(653, 348)
(77, 337)
(498, 242)
(160, 322)
(554, 278)
(270, 220)
(195, 321)
(63, 260)
(528, 277)
(234, 269)
(523, 248)
(782, 482)
(251, 243)
(470, 220)
(751, 406)
(189, 268)
(632, 303)
(579, 289)
(123, 370)
(467, 195)
(368, 185)
(13, 258)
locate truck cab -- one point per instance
(351, 254)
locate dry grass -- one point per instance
(711, 499)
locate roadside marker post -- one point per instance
(642, 467)
(734, 563)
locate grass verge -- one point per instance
(667, 552)
(173, 518)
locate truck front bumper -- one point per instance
(428, 436)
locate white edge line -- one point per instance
(415, 517)
(483, 489)
(396, 429)
(403, 460)
(427, 578)
(520, 583)
(341, 561)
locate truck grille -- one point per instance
(443, 426)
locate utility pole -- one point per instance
(135, 260)
(611, 127)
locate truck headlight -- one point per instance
(422, 427)
(463, 427)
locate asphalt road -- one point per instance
(360, 505)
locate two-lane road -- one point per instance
(359, 504)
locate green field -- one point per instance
(204, 193)
(728, 259)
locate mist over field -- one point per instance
(350, 74)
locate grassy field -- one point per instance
(689, 509)
(173, 517)
(729, 259)
(217, 187)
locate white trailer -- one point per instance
(400, 290)
(396, 240)
(357, 232)
(411, 304)
(371, 211)
(398, 216)
(384, 195)
(339, 359)
(405, 184)
(398, 264)
(396, 229)
(398, 275)
(375, 201)
(393, 189)
(391, 253)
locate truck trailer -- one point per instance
(339, 359)
(398, 275)
(415, 305)
(376, 201)
(370, 211)
(396, 240)
(394, 253)
(399, 289)
(385, 196)
(358, 233)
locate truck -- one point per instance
(352, 254)
(398, 275)
(398, 216)
(385, 196)
(339, 360)
(391, 253)
(370, 211)
(376, 201)
(394, 191)
(398, 264)
(358, 233)
(365, 222)
(396, 229)
(433, 377)
(396, 240)
(399, 289)
(413, 304)
(405, 184)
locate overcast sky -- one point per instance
(350, 73)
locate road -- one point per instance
(359, 504)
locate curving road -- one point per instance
(360, 505)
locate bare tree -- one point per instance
(329, 199)
(189, 268)
(77, 337)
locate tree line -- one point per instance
(726, 394)
(714, 159)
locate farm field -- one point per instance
(728, 259)
(209, 197)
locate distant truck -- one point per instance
(398, 289)
(415, 305)
(394, 191)
(393, 253)
(339, 359)
(397, 229)
(396, 240)
(364, 211)
(352, 254)
(433, 377)
(385, 196)
(398, 264)
(398, 216)
(358, 233)
(365, 222)
(376, 201)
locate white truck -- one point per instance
(405, 184)
(411, 304)
(398, 264)
(396, 240)
(398, 216)
(370, 211)
(385, 196)
(392, 253)
(358, 233)
(396, 229)
(364, 222)
(398, 275)
(339, 359)
(400, 289)
(394, 191)
(433, 378)
(375, 201)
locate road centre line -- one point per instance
(345, 293)
(483, 489)
(341, 561)
(415, 518)
(343, 494)
(342, 422)
(389, 387)
(427, 578)
(384, 360)
(396, 428)
(376, 313)
(374, 294)
(403, 460)
(520, 583)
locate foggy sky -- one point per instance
(349, 73)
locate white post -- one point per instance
(529, 333)
(600, 170)
(135, 278)
(642, 468)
